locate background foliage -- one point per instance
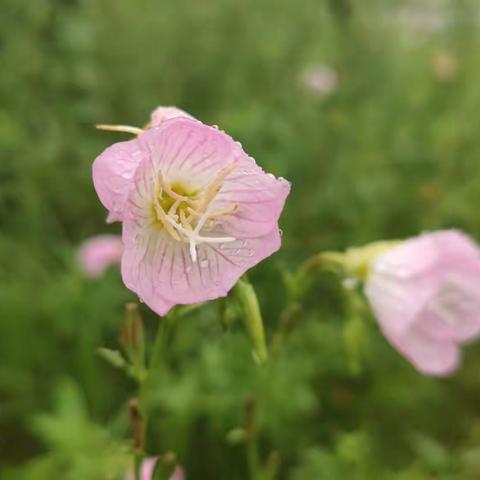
(392, 150)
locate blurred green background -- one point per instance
(370, 108)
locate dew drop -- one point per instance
(280, 231)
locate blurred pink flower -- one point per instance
(148, 467)
(98, 253)
(425, 294)
(160, 114)
(197, 211)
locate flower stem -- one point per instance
(147, 384)
(251, 438)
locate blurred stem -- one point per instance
(298, 285)
(288, 320)
(158, 345)
(148, 383)
(251, 438)
(137, 466)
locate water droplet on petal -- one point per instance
(204, 263)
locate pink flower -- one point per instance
(98, 253)
(147, 470)
(160, 114)
(425, 294)
(197, 211)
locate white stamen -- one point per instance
(178, 225)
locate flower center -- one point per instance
(183, 212)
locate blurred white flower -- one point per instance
(320, 80)
(421, 17)
(445, 66)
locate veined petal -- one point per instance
(185, 149)
(217, 269)
(113, 171)
(145, 259)
(259, 198)
(160, 270)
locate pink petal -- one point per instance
(403, 280)
(159, 269)
(429, 356)
(113, 171)
(98, 253)
(145, 254)
(160, 114)
(259, 197)
(454, 308)
(178, 474)
(185, 148)
(148, 467)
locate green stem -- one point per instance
(251, 438)
(157, 350)
(147, 384)
(252, 458)
(137, 465)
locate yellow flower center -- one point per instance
(184, 211)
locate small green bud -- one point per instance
(113, 357)
(237, 436)
(247, 298)
(132, 336)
